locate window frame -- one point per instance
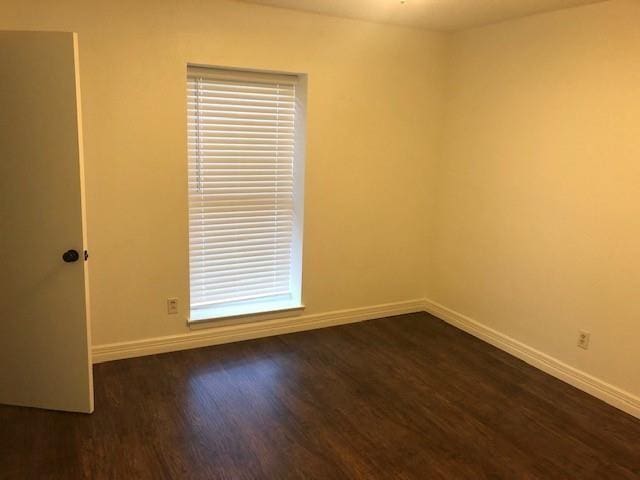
(257, 308)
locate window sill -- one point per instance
(204, 319)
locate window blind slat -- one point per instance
(237, 262)
(204, 250)
(233, 285)
(237, 213)
(247, 87)
(239, 274)
(224, 205)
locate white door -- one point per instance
(44, 325)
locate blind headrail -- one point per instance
(224, 74)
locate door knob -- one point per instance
(70, 256)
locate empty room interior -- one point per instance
(320, 239)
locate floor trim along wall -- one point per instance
(615, 396)
(245, 331)
(216, 335)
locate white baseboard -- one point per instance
(215, 335)
(610, 394)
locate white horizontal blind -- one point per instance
(241, 141)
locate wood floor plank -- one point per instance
(406, 397)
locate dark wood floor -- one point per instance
(407, 397)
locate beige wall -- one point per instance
(374, 94)
(536, 220)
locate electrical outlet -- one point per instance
(583, 339)
(172, 306)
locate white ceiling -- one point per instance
(430, 14)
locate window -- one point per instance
(246, 159)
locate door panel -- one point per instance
(44, 322)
